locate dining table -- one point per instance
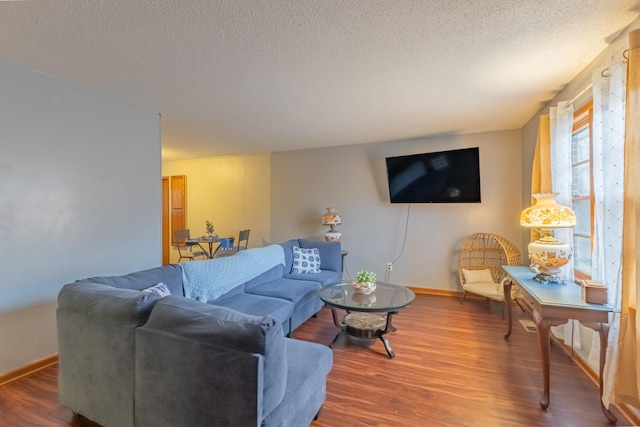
(209, 241)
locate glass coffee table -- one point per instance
(368, 315)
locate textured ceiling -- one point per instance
(249, 76)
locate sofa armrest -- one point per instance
(170, 275)
(96, 344)
(95, 299)
(182, 381)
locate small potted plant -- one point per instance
(210, 230)
(365, 282)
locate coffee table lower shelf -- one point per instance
(365, 325)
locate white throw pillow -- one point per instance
(305, 261)
(160, 289)
(477, 276)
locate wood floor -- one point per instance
(452, 368)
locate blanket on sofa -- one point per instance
(209, 279)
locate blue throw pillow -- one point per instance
(305, 261)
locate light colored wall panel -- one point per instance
(353, 179)
(79, 196)
(231, 192)
(27, 335)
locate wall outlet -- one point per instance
(389, 266)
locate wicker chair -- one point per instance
(485, 251)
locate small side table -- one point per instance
(553, 304)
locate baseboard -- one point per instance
(437, 292)
(28, 369)
(631, 416)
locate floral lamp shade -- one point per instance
(547, 213)
(332, 218)
(547, 253)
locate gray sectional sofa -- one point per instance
(131, 357)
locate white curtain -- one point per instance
(609, 107)
(561, 123)
(561, 129)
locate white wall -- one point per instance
(231, 192)
(353, 179)
(79, 196)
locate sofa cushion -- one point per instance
(306, 388)
(305, 261)
(258, 305)
(296, 291)
(330, 253)
(210, 279)
(288, 253)
(170, 275)
(325, 277)
(268, 276)
(221, 327)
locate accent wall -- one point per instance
(79, 196)
(422, 240)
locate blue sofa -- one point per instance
(129, 357)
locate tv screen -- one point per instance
(442, 177)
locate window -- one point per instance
(582, 190)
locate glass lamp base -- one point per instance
(549, 254)
(332, 236)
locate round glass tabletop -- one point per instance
(386, 297)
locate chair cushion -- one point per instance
(491, 290)
(477, 276)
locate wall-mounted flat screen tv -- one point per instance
(441, 177)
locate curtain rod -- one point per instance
(625, 55)
(603, 73)
(580, 94)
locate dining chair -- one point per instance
(186, 249)
(230, 249)
(225, 247)
(243, 237)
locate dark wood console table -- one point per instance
(554, 304)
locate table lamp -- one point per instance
(548, 253)
(332, 218)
